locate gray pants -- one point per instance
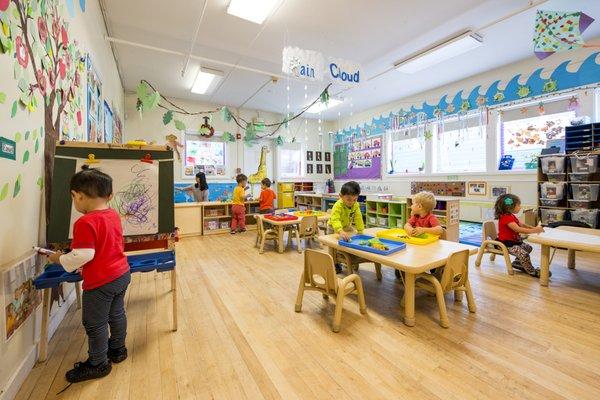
(102, 307)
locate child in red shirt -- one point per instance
(266, 197)
(421, 218)
(97, 250)
(509, 230)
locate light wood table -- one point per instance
(413, 260)
(565, 237)
(281, 225)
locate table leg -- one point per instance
(174, 294)
(571, 258)
(409, 299)
(545, 265)
(280, 235)
(43, 350)
(78, 293)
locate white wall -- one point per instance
(21, 228)
(522, 183)
(151, 128)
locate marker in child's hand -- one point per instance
(43, 251)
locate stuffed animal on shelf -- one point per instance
(173, 142)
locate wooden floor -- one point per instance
(239, 337)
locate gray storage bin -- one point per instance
(585, 191)
(553, 164)
(580, 203)
(580, 177)
(549, 202)
(549, 215)
(553, 190)
(557, 177)
(589, 217)
(587, 164)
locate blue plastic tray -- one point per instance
(54, 274)
(356, 239)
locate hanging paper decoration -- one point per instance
(558, 31)
(167, 117)
(450, 108)
(541, 108)
(465, 106)
(550, 85)
(523, 91)
(344, 72)
(225, 114)
(481, 101)
(573, 104)
(307, 64)
(499, 96)
(228, 137)
(206, 129)
(278, 141)
(325, 96)
(524, 110)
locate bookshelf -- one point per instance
(386, 213)
(309, 201)
(216, 217)
(286, 190)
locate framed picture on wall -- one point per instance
(327, 156)
(318, 156)
(309, 168)
(309, 156)
(327, 168)
(319, 168)
(498, 191)
(478, 188)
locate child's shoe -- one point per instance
(84, 371)
(117, 355)
(232, 232)
(242, 230)
(536, 273)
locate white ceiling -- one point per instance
(376, 33)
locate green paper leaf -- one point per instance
(142, 91)
(37, 145)
(4, 192)
(25, 156)
(17, 137)
(13, 111)
(151, 101)
(2, 97)
(17, 187)
(179, 125)
(40, 182)
(27, 135)
(167, 117)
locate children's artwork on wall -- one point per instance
(8, 148)
(200, 152)
(20, 297)
(108, 124)
(309, 168)
(328, 168)
(477, 188)
(327, 156)
(454, 189)
(309, 156)
(498, 191)
(319, 168)
(94, 105)
(559, 31)
(358, 158)
(318, 156)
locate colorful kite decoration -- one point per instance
(558, 31)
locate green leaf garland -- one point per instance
(167, 117)
(179, 125)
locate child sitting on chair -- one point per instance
(98, 250)
(345, 212)
(421, 218)
(509, 228)
(267, 195)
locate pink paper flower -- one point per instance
(41, 80)
(64, 37)
(79, 117)
(4, 4)
(22, 54)
(43, 30)
(62, 69)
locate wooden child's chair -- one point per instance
(319, 274)
(455, 277)
(490, 245)
(308, 229)
(262, 234)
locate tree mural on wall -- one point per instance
(47, 65)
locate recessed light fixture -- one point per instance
(319, 107)
(449, 49)
(206, 80)
(252, 10)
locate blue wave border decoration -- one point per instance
(560, 79)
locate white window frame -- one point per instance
(296, 147)
(389, 147)
(435, 147)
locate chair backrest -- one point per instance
(319, 270)
(443, 235)
(489, 230)
(456, 270)
(259, 224)
(309, 226)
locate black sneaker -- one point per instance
(117, 355)
(517, 265)
(536, 273)
(242, 230)
(84, 371)
(339, 268)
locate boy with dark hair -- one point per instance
(266, 197)
(238, 209)
(98, 250)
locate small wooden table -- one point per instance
(566, 237)
(413, 260)
(280, 227)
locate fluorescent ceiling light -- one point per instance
(252, 10)
(206, 80)
(318, 106)
(442, 52)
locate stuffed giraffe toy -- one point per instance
(262, 167)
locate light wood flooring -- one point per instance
(239, 337)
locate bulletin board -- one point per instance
(358, 158)
(453, 189)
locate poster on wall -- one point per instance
(95, 129)
(203, 155)
(20, 297)
(118, 127)
(108, 124)
(358, 158)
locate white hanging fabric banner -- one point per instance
(307, 64)
(343, 72)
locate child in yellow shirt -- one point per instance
(238, 209)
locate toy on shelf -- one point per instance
(400, 235)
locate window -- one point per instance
(202, 154)
(461, 147)
(290, 160)
(522, 140)
(406, 152)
